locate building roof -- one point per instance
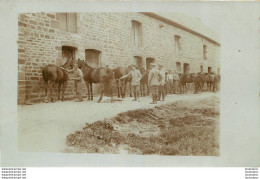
(192, 25)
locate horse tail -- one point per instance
(45, 75)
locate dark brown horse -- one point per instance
(212, 81)
(101, 75)
(55, 75)
(188, 78)
(144, 81)
(121, 84)
(201, 79)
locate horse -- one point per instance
(144, 81)
(101, 75)
(121, 84)
(55, 75)
(201, 79)
(188, 78)
(212, 81)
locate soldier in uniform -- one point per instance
(153, 82)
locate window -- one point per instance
(205, 52)
(148, 61)
(69, 22)
(67, 53)
(92, 57)
(137, 33)
(178, 49)
(178, 67)
(138, 62)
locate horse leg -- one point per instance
(59, 89)
(148, 88)
(64, 86)
(87, 84)
(123, 96)
(130, 89)
(111, 91)
(91, 91)
(51, 90)
(118, 88)
(121, 86)
(102, 86)
(46, 92)
(143, 89)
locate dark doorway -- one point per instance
(186, 68)
(67, 53)
(92, 57)
(209, 69)
(148, 61)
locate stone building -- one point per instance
(115, 39)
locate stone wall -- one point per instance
(40, 42)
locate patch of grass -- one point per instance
(172, 129)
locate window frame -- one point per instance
(205, 52)
(65, 24)
(137, 29)
(178, 47)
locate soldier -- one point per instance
(153, 82)
(161, 92)
(136, 77)
(170, 82)
(176, 81)
(78, 81)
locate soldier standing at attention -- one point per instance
(176, 82)
(153, 82)
(170, 82)
(161, 84)
(78, 81)
(136, 77)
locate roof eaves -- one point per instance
(178, 25)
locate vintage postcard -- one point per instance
(175, 82)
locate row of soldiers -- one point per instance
(160, 82)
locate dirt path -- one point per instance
(45, 126)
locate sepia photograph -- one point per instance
(130, 84)
(139, 83)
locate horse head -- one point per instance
(80, 63)
(68, 63)
(142, 70)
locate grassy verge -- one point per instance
(172, 129)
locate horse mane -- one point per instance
(67, 63)
(87, 64)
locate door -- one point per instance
(209, 69)
(92, 57)
(186, 68)
(67, 53)
(148, 61)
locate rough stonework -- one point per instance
(41, 40)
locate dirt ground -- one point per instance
(45, 126)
